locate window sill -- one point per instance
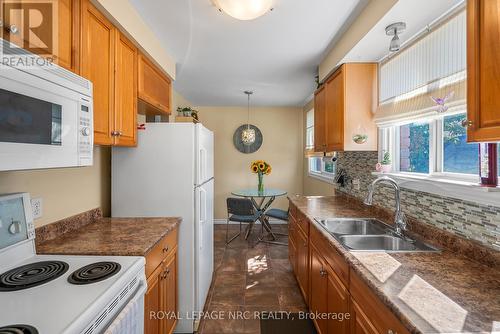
(443, 185)
(321, 177)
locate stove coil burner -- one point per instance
(94, 272)
(31, 275)
(18, 329)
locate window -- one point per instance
(436, 145)
(310, 130)
(458, 155)
(323, 168)
(414, 148)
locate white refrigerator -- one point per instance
(170, 173)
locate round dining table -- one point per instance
(261, 201)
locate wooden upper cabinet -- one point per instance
(483, 70)
(319, 120)
(125, 118)
(67, 54)
(350, 99)
(65, 41)
(98, 65)
(154, 88)
(334, 112)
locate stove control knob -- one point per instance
(14, 227)
(85, 131)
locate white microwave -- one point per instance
(46, 118)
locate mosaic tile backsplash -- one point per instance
(463, 218)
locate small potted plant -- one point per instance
(385, 166)
(187, 114)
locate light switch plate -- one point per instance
(36, 206)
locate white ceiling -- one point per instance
(416, 14)
(219, 57)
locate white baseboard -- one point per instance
(271, 221)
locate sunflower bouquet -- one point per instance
(261, 168)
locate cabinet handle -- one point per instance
(390, 331)
(12, 29)
(467, 124)
(116, 133)
(322, 272)
(165, 249)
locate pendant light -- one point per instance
(393, 30)
(244, 9)
(248, 134)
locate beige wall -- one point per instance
(124, 15)
(370, 15)
(282, 148)
(312, 186)
(64, 191)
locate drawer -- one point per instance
(160, 251)
(303, 223)
(379, 315)
(331, 255)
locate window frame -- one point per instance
(389, 141)
(322, 175)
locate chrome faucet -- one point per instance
(399, 218)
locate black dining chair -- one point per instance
(280, 215)
(240, 210)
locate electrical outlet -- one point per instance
(36, 206)
(356, 184)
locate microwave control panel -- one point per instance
(85, 135)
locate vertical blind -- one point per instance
(433, 66)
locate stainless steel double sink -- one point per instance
(369, 234)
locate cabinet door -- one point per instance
(334, 112)
(360, 323)
(154, 87)
(97, 65)
(483, 70)
(318, 297)
(68, 34)
(125, 92)
(319, 121)
(292, 248)
(168, 292)
(338, 303)
(302, 263)
(153, 303)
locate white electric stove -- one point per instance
(55, 294)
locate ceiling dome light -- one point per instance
(244, 9)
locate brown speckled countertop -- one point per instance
(429, 292)
(111, 236)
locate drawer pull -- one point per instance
(165, 249)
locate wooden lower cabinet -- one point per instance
(292, 247)
(318, 294)
(160, 302)
(360, 323)
(331, 287)
(302, 271)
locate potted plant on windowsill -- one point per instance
(385, 166)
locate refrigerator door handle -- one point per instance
(203, 164)
(202, 214)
